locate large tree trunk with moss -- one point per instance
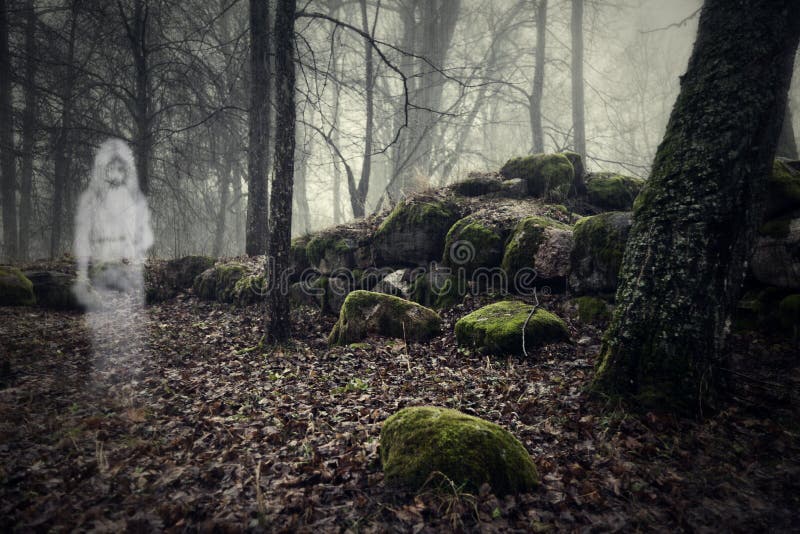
(695, 220)
(280, 215)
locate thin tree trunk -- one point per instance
(140, 52)
(62, 161)
(7, 159)
(696, 219)
(224, 165)
(578, 122)
(537, 91)
(258, 151)
(280, 216)
(28, 126)
(359, 203)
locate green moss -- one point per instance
(469, 245)
(524, 243)
(776, 228)
(321, 244)
(497, 328)
(15, 288)
(249, 289)
(547, 175)
(219, 282)
(592, 310)
(366, 312)
(418, 443)
(416, 213)
(595, 236)
(477, 185)
(613, 191)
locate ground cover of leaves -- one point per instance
(205, 429)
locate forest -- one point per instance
(399, 266)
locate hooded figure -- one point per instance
(112, 227)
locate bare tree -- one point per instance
(280, 215)
(578, 120)
(7, 156)
(537, 91)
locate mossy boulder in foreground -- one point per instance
(548, 175)
(15, 288)
(538, 243)
(597, 255)
(365, 312)
(420, 444)
(497, 328)
(610, 191)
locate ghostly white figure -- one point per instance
(112, 234)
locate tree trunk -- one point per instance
(28, 127)
(140, 52)
(302, 215)
(578, 123)
(787, 145)
(359, 203)
(280, 216)
(695, 220)
(224, 165)
(62, 161)
(258, 150)
(7, 159)
(535, 104)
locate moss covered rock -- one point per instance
(414, 232)
(339, 249)
(776, 254)
(249, 289)
(541, 244)
(597, 255)
(15, 288)
(54, 290)
(592, 310)
(497, 328)
(478, 184)
(164, 280)
(549, 176)
(298, 257)
(366, 312)
(419, 444)
(783, 188)
(219, 282)
(610, 191)
(472, 243)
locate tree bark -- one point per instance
(62, 161)
(7, 159)
(359, 203)
(535, 103)
(696, 219)
(280, 216)
(28, 127)
(224, 165)
(259, 133)
(578, 122)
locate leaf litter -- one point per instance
(207, 428)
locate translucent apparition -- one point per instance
(112, 236)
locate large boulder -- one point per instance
(597, 255)
(540, 244)
(420, 444)
(397, 283)
(339, 249)
(219, 282)
(15, 288)
(497, 328)
(478, 184)
(776, 254)
(366, 312)
(548, 176)
(414, 232)
(54, 290)
(610, 191)
(783, 188)
(473, 242)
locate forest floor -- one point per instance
(205, 430)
